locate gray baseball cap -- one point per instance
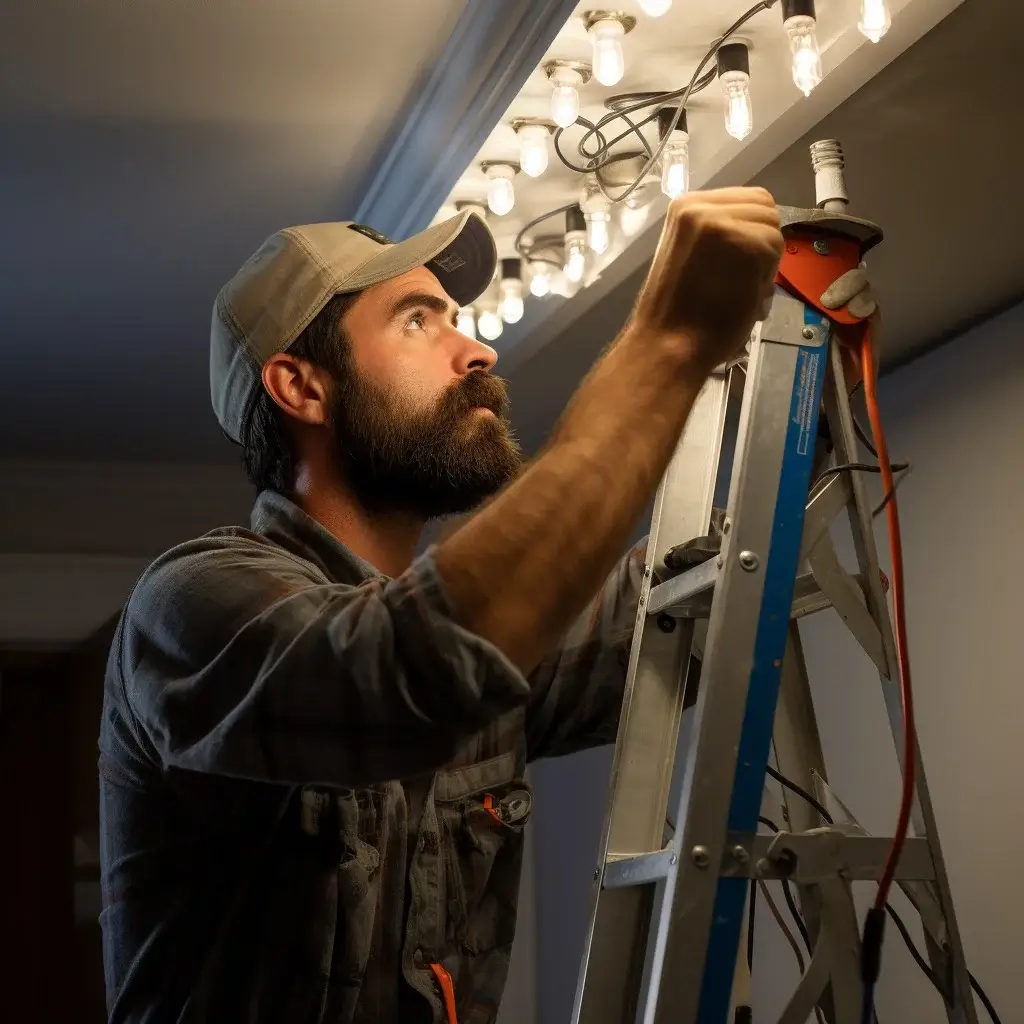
(295, 273)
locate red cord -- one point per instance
(869, 372)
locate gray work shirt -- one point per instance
(273, 709)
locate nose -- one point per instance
(471, 354)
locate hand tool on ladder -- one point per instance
(667, 917)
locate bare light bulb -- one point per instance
(533, 149)
(875, 19)
(803, 45)
(675, 165)
(739, 117)
(609, 60)
(598, 230)
(633, 216)
(565, 100)
(466, 321)
(540, 279)
(575, 255)
(501, 195)
(489, 325)
(511, 306)
(655, 8)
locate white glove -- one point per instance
(853, 290)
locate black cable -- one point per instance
(896, 919)
(525, 253)
(622, 106)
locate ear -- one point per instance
(298, 387)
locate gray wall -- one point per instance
(958, 414)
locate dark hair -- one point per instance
(268, 453)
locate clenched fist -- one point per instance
(713, 272)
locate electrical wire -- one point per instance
(781, 921)
(868, 372)
(896, 919)
(625, 105)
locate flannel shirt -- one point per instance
(311, 781)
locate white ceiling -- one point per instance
(146, 149)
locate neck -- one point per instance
(386, 540)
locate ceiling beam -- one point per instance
(490, 54)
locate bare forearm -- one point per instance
(521, 570)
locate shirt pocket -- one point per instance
(482, 810)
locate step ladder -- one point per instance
(668, 916)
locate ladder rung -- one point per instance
(623, 870)
(683, 587)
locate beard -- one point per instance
(439, 462)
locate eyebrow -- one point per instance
(423, 300)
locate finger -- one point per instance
(863, 304)
(738, 194)
(756, 214)
(844, 288)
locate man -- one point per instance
(313, 742)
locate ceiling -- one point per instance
(147, 149)
(931, 155)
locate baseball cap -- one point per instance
(297, 271)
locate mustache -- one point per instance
(478, 389)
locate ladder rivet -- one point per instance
(749, 561)
(700, 856)
(740, 853)
(821, 247)
(666, 623)
(808, 333)
(672, 859)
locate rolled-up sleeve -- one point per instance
(576, 693)
(235, 659)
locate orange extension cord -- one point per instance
(870, 374)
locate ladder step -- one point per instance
(624, 870)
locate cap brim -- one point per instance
(460, 251)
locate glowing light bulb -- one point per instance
(739, 117)
(501, 196)
(565, 100)
(874, 19)
(655, 8)
(510, 290)
(633, 216)
(598, 230)
(540, 279)
(803, 45)
(466, 321)
(575, 255)
(609, 60)
(675, 165)
(489, 325)
(533, 149)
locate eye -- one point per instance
(418, 321)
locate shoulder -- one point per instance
(215, 578)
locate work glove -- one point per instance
(853, 290)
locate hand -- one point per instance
(852, 290)
(713, 272)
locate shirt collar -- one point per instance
(279, 519)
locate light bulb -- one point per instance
(609, 60)
(511, 306)
(739, 117)
(598, 234)
(575, 255)
(675, 165)
(565, 100)
(489, 325)
(466, 321)
(655, 8)
(501, 196)
(533, 149)
(632, 217)
(803, 44)
(874, 19)
(540, 280)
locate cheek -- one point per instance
(420, 382)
